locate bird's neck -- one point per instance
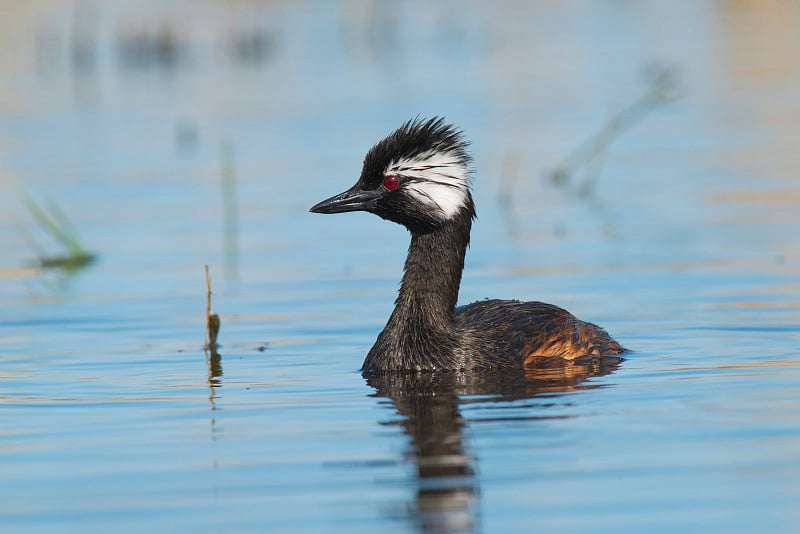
(420, 333)
(432, 274)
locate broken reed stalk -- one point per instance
(212, 319)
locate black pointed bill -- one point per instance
(354, 199)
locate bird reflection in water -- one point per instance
(447, 495)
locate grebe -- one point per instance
(418, 176)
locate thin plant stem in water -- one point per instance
(661, 90)
(213, 358)
(212, 319)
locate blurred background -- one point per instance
(126, 116)
(635, 161)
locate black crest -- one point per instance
(413, 138)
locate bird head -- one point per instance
(418, 176)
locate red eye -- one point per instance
(391, 182)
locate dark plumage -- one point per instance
(419, 177)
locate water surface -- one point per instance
(112, 417)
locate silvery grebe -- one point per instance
(419, 177)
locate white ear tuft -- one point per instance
(437, 179)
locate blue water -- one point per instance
(112, 416)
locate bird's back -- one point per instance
(527, 331)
